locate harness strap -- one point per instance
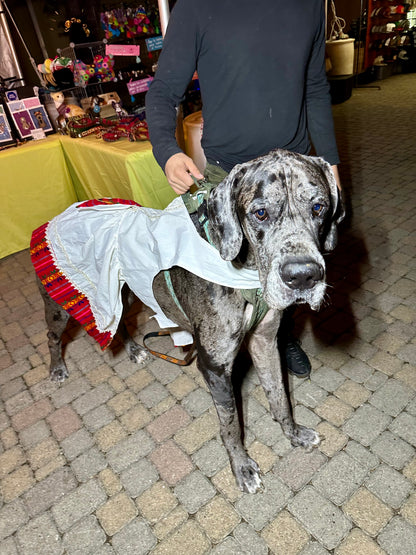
(191, 353)
(260, 307)
(197, 202)
(168, 280)
(252, 296)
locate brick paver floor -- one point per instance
(124, 460)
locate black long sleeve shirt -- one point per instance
(261, 71)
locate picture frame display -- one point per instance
(28, 115)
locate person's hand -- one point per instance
(337, 177)
(178, 169)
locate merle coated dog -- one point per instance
(277, 214)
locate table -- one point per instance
(121, 169)
(35, 186)
(42, 178)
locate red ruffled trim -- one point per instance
(58, 287)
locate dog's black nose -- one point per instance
(302, 274)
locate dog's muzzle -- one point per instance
(301, 274)
(295, 280)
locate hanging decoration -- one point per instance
(77, 30)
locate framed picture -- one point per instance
(15, 105)
(40, 118)
(5, 131)
(29, 115)
(23, 123)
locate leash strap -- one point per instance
(190, 199)
(196, 202)
(190, 355)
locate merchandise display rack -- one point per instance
(86, 53)
(387, 28)
(78, 51)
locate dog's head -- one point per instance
(278, 213)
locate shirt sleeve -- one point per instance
(318, 100)
(177, 64)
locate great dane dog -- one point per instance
(277, 214)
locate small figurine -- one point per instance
(96, 103)
(66, 110)
(120, 111)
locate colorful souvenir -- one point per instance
(100, 71)
(129, 22)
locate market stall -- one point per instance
(95, 65)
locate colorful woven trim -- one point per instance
(58, 287)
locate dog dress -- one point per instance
(85, 255)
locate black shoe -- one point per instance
(297, 361)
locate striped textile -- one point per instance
(58, 286)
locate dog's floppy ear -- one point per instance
(338, 209)
(224, 225)
(339, 214)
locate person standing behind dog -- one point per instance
(261, 70)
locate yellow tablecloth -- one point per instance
(42, 178)
(35, 186)
(121, 169)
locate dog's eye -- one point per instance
(261, 214)
(318, 209)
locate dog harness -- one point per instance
(196, 202)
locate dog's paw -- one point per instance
(247, 476)
(59, 373)
(305, 437)
(139, 355)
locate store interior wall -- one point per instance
(51, 16)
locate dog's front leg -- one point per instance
(245, 470)
(217, 315)
(216, 355)
(265, 355)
